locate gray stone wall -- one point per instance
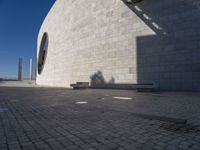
(153, 41)
(170, 58)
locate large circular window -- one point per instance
(42, 52)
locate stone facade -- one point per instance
(149, 42)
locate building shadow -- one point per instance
(171, 57)
(97, 80)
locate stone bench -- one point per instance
(141, 87)
(148, 87)
(80, 85)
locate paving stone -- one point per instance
(108, 125)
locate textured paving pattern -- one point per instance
(40, 119)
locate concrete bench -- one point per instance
(146, 87)
(142, 87)
(80, 85)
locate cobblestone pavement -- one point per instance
(51, 119)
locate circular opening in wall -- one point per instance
(42, 52)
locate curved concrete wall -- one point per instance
(153, 41)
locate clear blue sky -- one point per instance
(20, 21)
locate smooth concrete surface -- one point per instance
(150, 42)
(23, 83)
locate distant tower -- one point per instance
(20, 69)
(31, 69)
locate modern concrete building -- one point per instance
(153, 41)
